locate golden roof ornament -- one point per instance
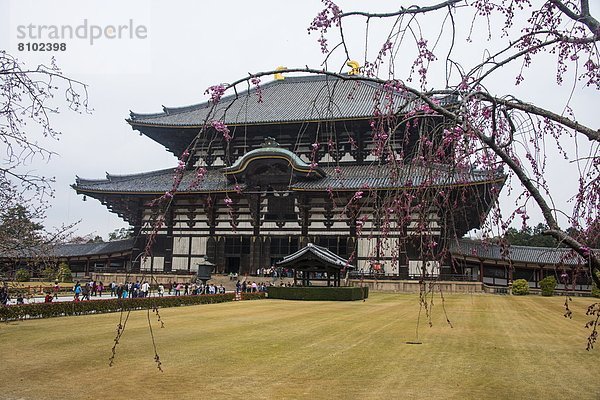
(279, 76)
(355, 67)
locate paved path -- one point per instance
(40, 299)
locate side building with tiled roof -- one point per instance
(497, 264)
(299, 165)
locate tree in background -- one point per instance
(27, 102)
(120, 234)
(528, 236)
(64, 273)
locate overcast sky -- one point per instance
(188, 46)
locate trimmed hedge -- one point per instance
(67, 308)
(548, 285)
(520, 287)
(253, 296)
(318, 293)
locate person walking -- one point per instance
(56, 289)
(77, 291)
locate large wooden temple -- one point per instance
(299, 167)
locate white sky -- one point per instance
(190, 46)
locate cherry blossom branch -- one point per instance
(414, 9)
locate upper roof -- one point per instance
(519, 254)
(294, 99)
(346, 178)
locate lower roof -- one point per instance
(340, 178)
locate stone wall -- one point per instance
(399, 286)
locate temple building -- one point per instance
(299, 165)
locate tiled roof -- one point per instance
(155, 182)
(294, 99)
(386, 176)
(520, 254)
(320, 252)
(73, 250)
(351, 177)
(88, 249)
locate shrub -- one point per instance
(22, 275)
(66, 308)
(548, 284)
(318, 293)
(49, 273)
(64, 273)
(595, 290)
(520, 287)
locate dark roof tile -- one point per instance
(294, 99)
(521, 254)
(350, 177)
(320, 252)
(155, 182)
(88, 249)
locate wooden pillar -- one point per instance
(136, 251)
(256, 250)
(139, 241)
(220, 251)
(481, 270)
(265, 253)
(303, 218)
(168, 263)
(254, 204)
(189, 255)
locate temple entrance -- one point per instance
(232, 265)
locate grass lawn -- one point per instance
(501, 347)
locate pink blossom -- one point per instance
(256, 82)
(221, 127)
(216, 92)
